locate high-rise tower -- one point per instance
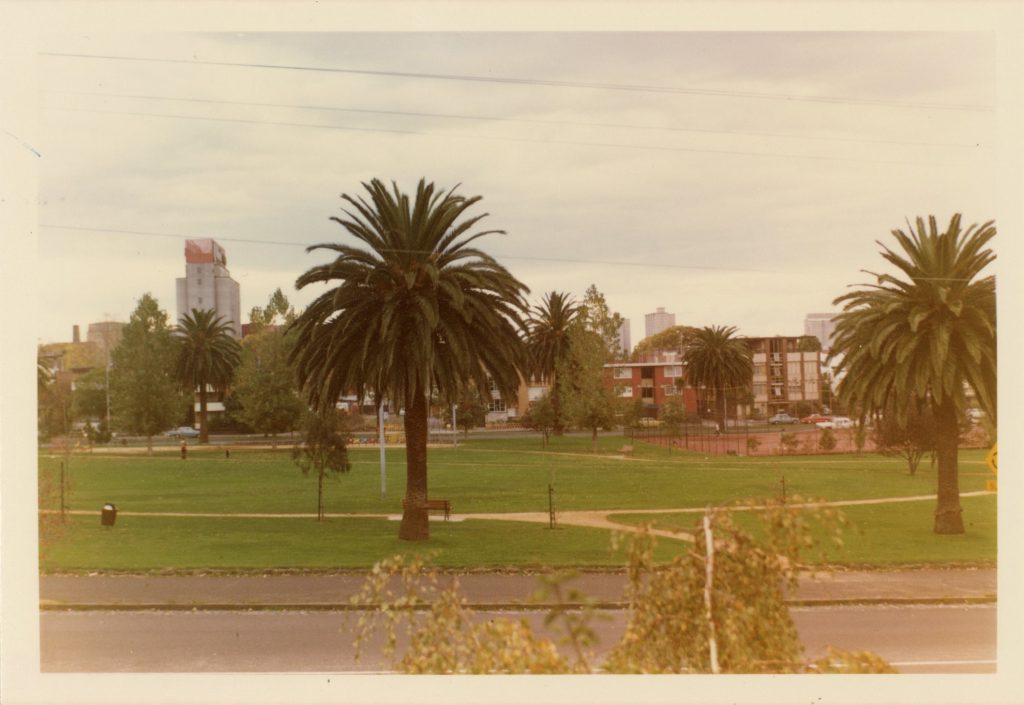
(207, 284)
(658, 321)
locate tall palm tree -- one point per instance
(548, 343)
(208, 357)
(719, 361)
(918, 339)
(417, 310)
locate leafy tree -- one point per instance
(808, 343)
(922, 337)
(549, 345)
(673, 416)
(277, 311)
(323, 451)
(90, 395)
(540, 416)
(207, 357)
(418, 309)
(910, 437)
(673, 338)
(265, 385)
(589, 403)
(472, 412)
(753, 443)
(144, 393)
(56, 410)
(803, 408)
(599, 319)
(721, 362)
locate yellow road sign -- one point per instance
(992, 457)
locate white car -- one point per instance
(836, 422)
(183, 432)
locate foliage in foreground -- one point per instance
(717, 608)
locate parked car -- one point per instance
(836, 422)
(815, 418)
(648, 422)
(781, 419)
(183, 432)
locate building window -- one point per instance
(760, 389)
(647, 392)
(674, 371)
(496, 405)
(623, 373)
(670, 390)
(810, 370)
(626, 392)
(793, 368)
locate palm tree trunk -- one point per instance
(415, 524)
(204, 434)
(948, 519)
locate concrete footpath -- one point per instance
(482, 590)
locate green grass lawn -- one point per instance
(487, 476)
(881, 534)
(484, 475)
(140, 544)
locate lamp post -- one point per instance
(383, 467)
(455, 432)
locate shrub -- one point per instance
(718, 607)
(827, 439)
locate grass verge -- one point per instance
(882, 534)
(144, 544)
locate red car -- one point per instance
(815, 418)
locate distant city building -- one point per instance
(658, 321)
(106, 335)
(822, 326)
(207, 284)
(624, 341)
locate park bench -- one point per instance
(441, 505)
(626, 450)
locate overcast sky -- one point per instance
(731, 178)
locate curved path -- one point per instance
(592, 518)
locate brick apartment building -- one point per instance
(653, 380)
(784, 375)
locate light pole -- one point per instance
(383, 466)
(455, 433)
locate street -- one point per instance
(914, 638)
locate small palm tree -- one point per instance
(208, 357)
(921, 338)
(417, 310)
(548, 343)
(719, 361)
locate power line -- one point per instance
(543, 82)
(577, 143)
(493, 118)
(219, 238)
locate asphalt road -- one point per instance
(914, 638)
